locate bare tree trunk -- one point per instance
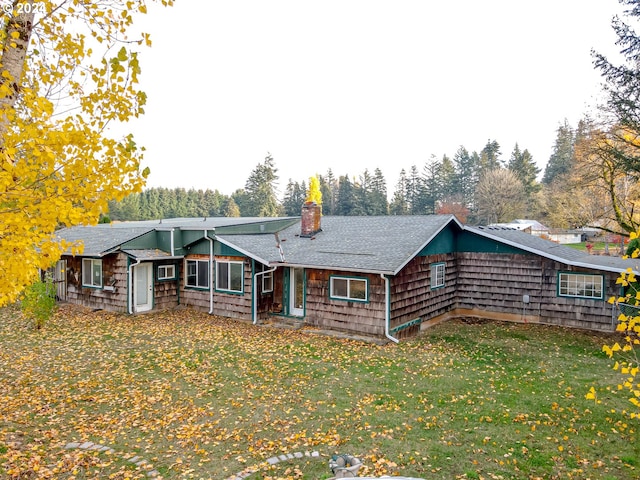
(17, 34)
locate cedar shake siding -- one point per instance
(577, 312)
(495, 283)
(434, 267)
(195, 297)
(165, 292)
(114, 278)
(235, 305)
(413, 298)
(361, 318)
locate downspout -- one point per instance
(130, 282)
(210, 272)
(254, 293)
(387, 310)
(173, 246)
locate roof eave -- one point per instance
(452, 218)
(242, 250)
(550, 256)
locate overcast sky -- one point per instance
(360, 84)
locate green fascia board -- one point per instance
(269, 225)
(190, 237)
(443, 242)
(164, 240)
(470, 242)
(178, 242)
(148, 241)
(226, 250)
(202, 246)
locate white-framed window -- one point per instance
(354, 289)
(197, 273)
(92, 272)
(581, 285)
(166, 272)
(230, 276)
(437, 275)
(267, 282)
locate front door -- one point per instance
(143, 290)
(61, 279)
(296, 292)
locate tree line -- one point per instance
(592, 177)
(466, 184)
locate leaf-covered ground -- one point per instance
(198, 396)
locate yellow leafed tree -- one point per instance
(625, 351)
(68, 74)
(314, 194)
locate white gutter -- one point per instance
(210, 272)
(173, 247)
(387, 309)
(254, 293)
(130, 284)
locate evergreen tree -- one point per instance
(329, 190)
(561, 160)
(346, 196)
(213, 203)
(241, 202)
(622, 86)
(180, 205)
(490, 157)
(432, 184)
(362, 194)
(416, 192)
(231, 209)
(378, 194)
(262, 200)
(448, 179)
(522, 165)
(294, 197)
(399, 204)
(466, 177)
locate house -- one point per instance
(532, 227)
(386, 277)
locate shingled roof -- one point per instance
(101, 239)
(372, 244)
(554, 251)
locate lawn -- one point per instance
(197, 396)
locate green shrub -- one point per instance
(39, 302)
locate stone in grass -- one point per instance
(315, 454)
(72, 445)
(298, 455)
(273, 460)
(153, 473)
(283, 458)
(85, 445)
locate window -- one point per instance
(437, 275)
(197, 273)
(348, 288)
(91, 272)
(166, 272)
(267, 282)
(580, 285)
(229, 276)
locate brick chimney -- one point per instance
(311, 213)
